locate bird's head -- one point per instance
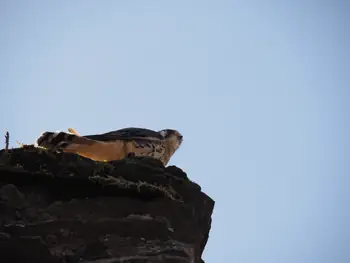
(173, 137)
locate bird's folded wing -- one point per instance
(127, 134)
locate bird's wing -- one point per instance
(127, 134)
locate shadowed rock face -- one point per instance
(59, 207)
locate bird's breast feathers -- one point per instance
(146, 147)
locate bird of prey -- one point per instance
(115, 145)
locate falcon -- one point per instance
(115, 145)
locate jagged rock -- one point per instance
(59, 207)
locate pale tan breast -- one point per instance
(99, 151)
(168, 152)
(117, 150)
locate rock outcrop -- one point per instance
(59, 207)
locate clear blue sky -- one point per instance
(259, 89)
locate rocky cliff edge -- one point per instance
(59, 207)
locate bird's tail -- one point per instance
(60, 141)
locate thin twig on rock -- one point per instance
(7, 140)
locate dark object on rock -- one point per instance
(62, 208)
(131, 155)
